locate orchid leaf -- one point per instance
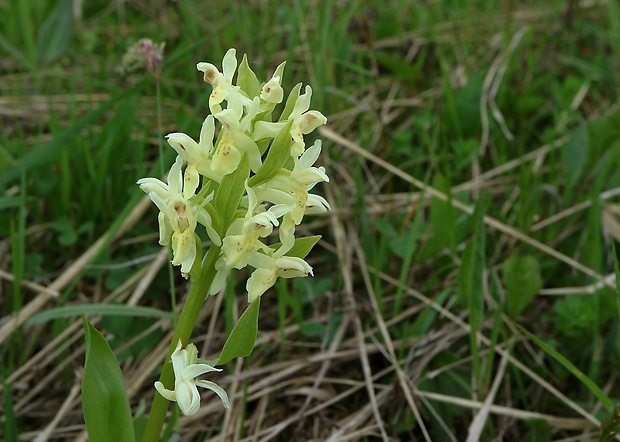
(104, 395)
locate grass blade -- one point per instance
(594, 389)
(9, 431)
(71, 311)
(471, 286)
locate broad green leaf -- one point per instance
(583, 66)
(576, 316)
(104, 397)
(278, 154)
(594, 389)
(15, 52)
(407, 248)
(302, 246)
(71, 311)
(521, 275)
(462, 115)
(68, 235)
(241, 341)
(247, 80)
(230, 191)
(56, 32)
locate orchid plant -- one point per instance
(248, 174)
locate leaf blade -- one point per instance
(55, 34)
(521, 275)
(241, 341)
(104, 396)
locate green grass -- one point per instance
(403, 80)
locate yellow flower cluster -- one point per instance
(276, 180)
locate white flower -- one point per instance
(269, 268)
(185, 391)
(286, 233)
(178, 216)
(221, 275)
(242, 237)
(197, 155)
(223, 89)
(272, 92)
(304, 122)
(291, 188)
(234, 141)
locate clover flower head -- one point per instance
(185, 391)
(144, 54)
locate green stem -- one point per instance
(160, 134)
(183, 330)
(162, 173)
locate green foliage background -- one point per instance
(513, 103)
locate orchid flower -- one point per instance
(223, 89)
(234, 141)
(304, 122)
(178, 216)
(269, 268)
(185, 391)
(197, 155)
(271, 91)
(242, 238)
(291, 188)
